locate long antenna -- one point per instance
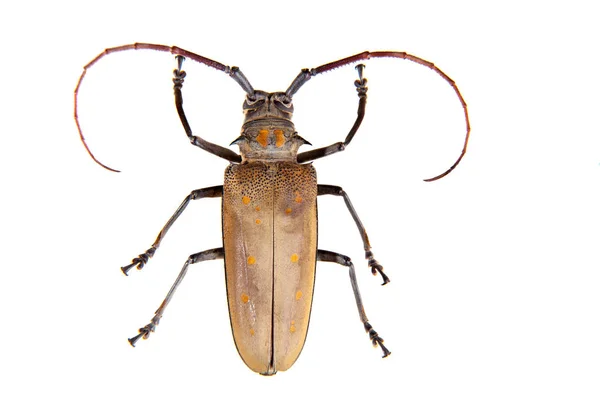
(233, 72)
(306, 74)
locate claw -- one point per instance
(139, 261)
(376, 267)
(376, 340)
(386, 352)
(134, 339)
(134, 263)
(361, 83)
(144, 333)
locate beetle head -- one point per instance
(268, 132)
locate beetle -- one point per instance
(269, 213)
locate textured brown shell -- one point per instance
(270, 242)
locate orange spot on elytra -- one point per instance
(292, 326)
(279, 138)
(298, 295)
(251, 332)
(251, 260)
(263, 134)
(246, 200)
(294, 258)
(258, 221)
(298, 198)
(288, 210)
(245, 298)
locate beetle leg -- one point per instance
(144, 332)
(215, 149)
(361, 88)
(330, 256)
(338, 191)
(142, 259)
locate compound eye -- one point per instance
(255, 101)
(284, 99)
(286, 108)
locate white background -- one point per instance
(495, 280)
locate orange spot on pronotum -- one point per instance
(288, 210)
(279, 138)
(246, 200)
(245, 298)
(251, 260)
(298, 295)
(262, 137)
(257, 208)
(294, 258)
